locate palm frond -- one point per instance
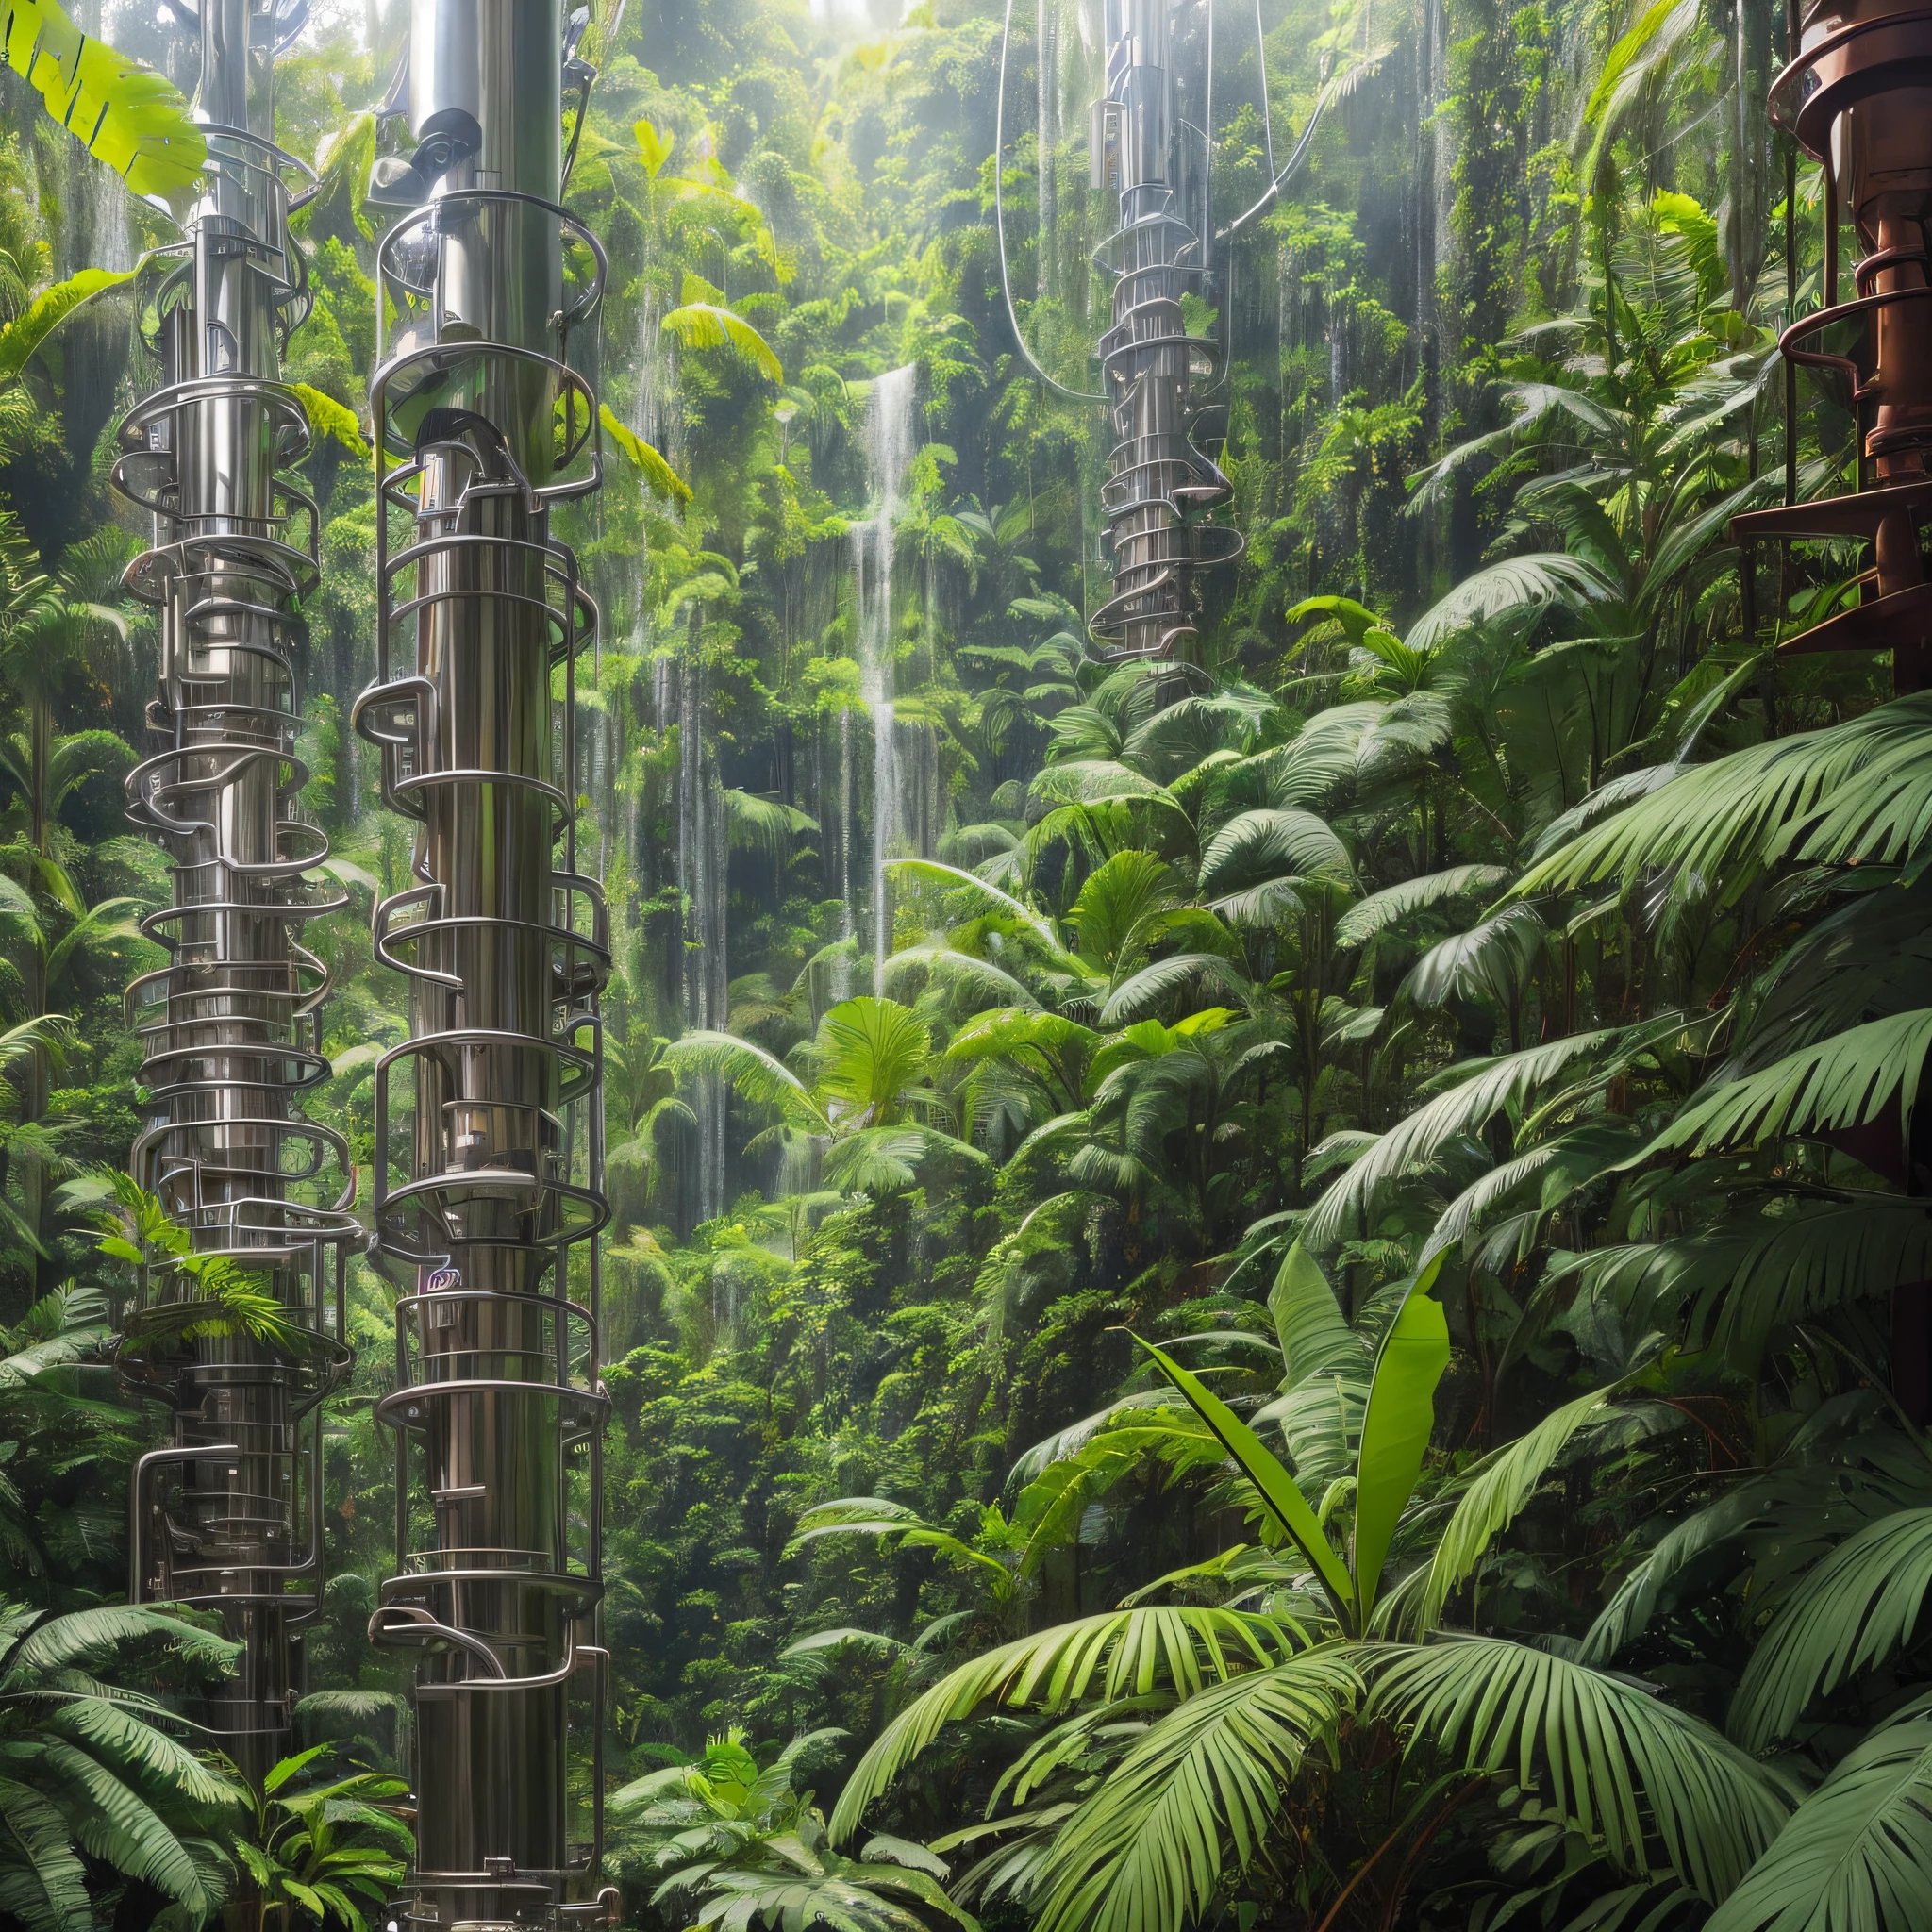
(1856, 1855)
(1854, 1612)
(1113, 1655)
(1198, 1795)
(1660, 1786)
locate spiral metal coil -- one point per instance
(488, 1118)
(1855, 99)
(1161, 487)
(228, 1517)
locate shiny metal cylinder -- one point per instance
(1161, 489)
(488, 1126)
(228, 1517)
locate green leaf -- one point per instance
(124, 114)
(1149, 1848)
(706, 326)
(1657, 1783)
(1856, 1855)
(327, 417)
(1278, 1490)
(1499, 1489)
(1396, 1427)
(50, 308)
(1117, 1654)
(654, 469)
(1847, 1081)
(1852, 1613)
(1314, 1334)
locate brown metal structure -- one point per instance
(1858, 98)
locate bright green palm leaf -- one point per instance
(1857, 1855)
(1149, 1852)
(1118, 1652)
(1277, 1488)
(1314, 1334)
(124, 114)
(708, 325)
(49, 309)
(1657, 1783)
(1396, 1427)
(645, 460)
(1425, 892)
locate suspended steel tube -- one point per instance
(1161, 490)
(228, 1517)
(488, 1118)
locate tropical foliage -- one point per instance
(1280, 1291)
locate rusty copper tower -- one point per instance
(1857, 98)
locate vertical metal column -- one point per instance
(229, 1517)
(482, 428)
(1855, 99)
(1160, 488)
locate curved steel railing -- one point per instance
(228, 1517)
(486, 1191)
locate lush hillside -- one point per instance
(1259, 1291)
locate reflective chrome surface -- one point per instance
(488, 1182)
(229, 1517)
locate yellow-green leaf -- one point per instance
(327, 417)
(1279, 1488)
(657, 472)
(654, 146)
(1396, 1425)
(48, 310)
(124, 114)
(704, 325)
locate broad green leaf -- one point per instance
(1279, 1488)
(654, 469)
(1314, 1334)
(1856, 1855)
(1396, 1429)
(327, 417)
(708, 325)
(124, 114)
(48, 310)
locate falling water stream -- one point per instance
(889, 445)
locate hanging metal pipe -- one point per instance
(1161, 489)
(487, 1182)
(228, 1517)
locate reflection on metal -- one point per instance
(487, 1186)
(229, 1517)
(1854, 98)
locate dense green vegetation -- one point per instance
(1305, 1338)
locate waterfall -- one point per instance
(889, 449)
(703, 873)
(1046, 60)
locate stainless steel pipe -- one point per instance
(229, 1517)
(488, 1160)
